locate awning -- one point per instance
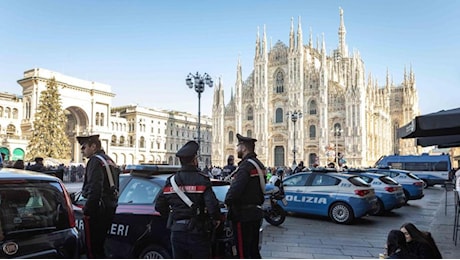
(444, 122)
(445, 141)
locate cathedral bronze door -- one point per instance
(279, 156)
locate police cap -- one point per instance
(245, 140)
(87, 139)
(189, 150)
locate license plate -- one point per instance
(284, 201)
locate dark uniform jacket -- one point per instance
(198, 188)
(96, 187)
(245, 194)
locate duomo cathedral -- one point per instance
(304, 104)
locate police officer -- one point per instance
(191, 227)
(101, 201)
(244, 199)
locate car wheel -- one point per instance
(154, 252)
(425, 184)
(380, 208)
(406, 195)
(341, 213)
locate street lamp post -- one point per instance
(294, 117)
(199, 84)
(337, 132)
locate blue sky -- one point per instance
(145, 49)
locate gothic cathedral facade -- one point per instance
(303, 104)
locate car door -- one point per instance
(295, 189)
(321, 191)
(136, 219)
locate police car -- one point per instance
(390, 194)
(138, 230)
(342, 197)
(411, 183)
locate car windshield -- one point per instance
(29, 206)
(221, 192)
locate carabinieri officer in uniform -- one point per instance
(191, 227)
(244, 199)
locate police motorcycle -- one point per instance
(274, 192)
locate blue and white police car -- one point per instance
(138, 230)
(342, 197)
(412, 185)
(390, 194)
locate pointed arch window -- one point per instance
(230, 137)
(279, 115)
(279, 81)
(142, 142)
(312, 107)
(250, 114)
(312, 132)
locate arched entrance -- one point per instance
(18, 154)
(279, 156)
(77, 123)
(6, 152)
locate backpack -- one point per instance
(113, 174)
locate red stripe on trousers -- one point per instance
(89, 251)
(239, 233)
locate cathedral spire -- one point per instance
(323, 48)
(299, 36)
(257, 43)
(239, 76)
(343, 49)
(264, 44)
(388, 78)
(291, 36)
(310, 41)
(405, 76)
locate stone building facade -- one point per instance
(334, 106)
(129, 134)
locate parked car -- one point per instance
(138, 230)
(412, 185)
(342, 197)
(37, 220)
(390, 194)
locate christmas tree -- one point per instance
(49, 138)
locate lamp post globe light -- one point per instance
(198, 82)
(294, 117)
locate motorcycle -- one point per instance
(273, 212)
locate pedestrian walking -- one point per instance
(245, 197)
(101, 200)
(191, 207)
